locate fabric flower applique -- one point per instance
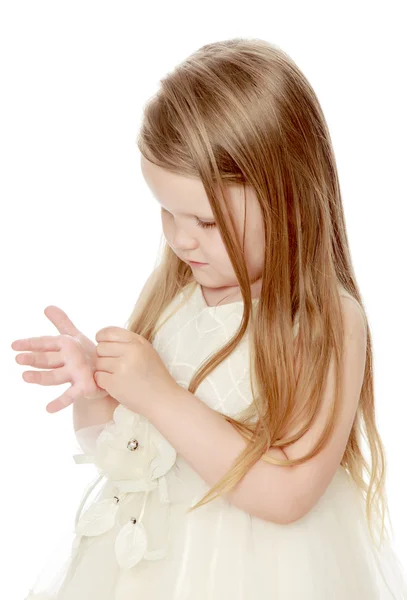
(134, 457)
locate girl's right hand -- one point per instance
(71, 356)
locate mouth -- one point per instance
(193, 263)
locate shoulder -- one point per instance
(354, 316)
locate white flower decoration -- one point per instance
(130, 447)
(134, 456)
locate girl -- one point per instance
(226, 419)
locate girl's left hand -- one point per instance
(130, 369)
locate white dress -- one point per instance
(134, 539)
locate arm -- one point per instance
(89, 413)
(278, 494)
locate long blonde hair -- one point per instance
(241, 112)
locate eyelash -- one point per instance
(205, 225)
(198, 222)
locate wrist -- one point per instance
(171, 395)
(88, 412)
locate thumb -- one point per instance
(60, 319)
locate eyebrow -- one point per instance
(185, 214)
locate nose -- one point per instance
(182, 242)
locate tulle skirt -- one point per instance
(219, 552)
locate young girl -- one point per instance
(227, 419)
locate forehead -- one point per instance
(186, 196)
(175, 192)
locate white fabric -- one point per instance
(87, 437)
(134, 539)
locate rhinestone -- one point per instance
(132, 444)
(133, 520)
(115, 499)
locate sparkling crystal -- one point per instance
(132, 444)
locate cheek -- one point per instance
(164, 218)
(167, 226)
(217, 254)
(254, 249)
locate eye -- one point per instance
(202, 224)
(205, 225)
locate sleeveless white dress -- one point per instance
(134, 539)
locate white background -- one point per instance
(80, 229)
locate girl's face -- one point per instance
(187, 222)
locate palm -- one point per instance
(71, 356)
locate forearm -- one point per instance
(92, 412)
(210, 445)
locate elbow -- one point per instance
(286, 517)
(265, 510)
(297, 511)
(289, 516)
(282, 517)
(279, 500)
(292, 509)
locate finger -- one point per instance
(110, 349)
(44, 343)
(60, 319)
(114, 334)
(70, 396)
(54, 377)
(102, 379)
(40, 360)
(106, 364)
